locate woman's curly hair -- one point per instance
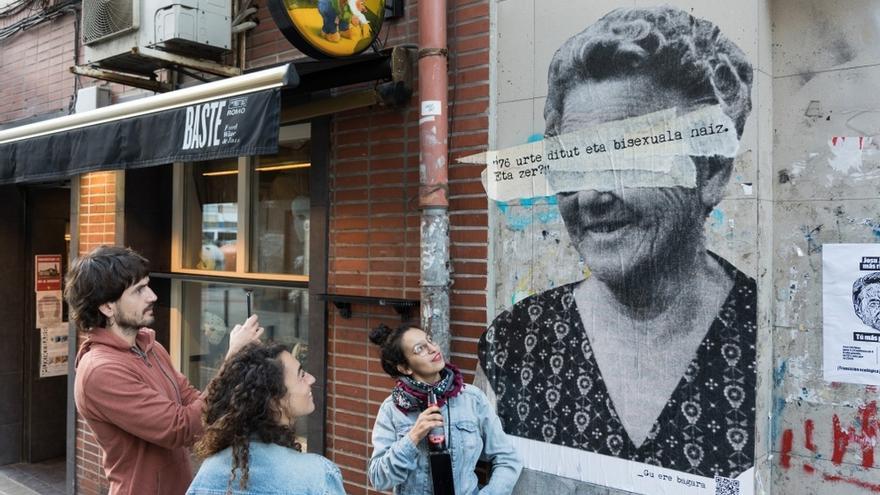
(245, 402)
(673, 48)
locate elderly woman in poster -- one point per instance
(651, 358)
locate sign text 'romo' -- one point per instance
(205, 123)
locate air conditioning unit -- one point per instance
(113, 30)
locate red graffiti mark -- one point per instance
(866, 439)
(834, 141)
(785, 456)
(874, 487)
(808, 434)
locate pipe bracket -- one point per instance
(432, 52)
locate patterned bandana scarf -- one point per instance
(412, 396)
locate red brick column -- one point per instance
(97, 226)
(374, 246)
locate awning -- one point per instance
(232, 117)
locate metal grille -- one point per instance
(104, 18)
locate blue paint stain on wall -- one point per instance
(550, 200)
(716, 219)
(519, 219)
(534, 138)
(779, 403)
(779, 373)
(875, 227)
(776, 420)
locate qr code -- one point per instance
(726, 486)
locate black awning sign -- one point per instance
(216, 123)
(226, 127)
(329, 28)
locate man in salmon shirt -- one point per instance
(143, 412)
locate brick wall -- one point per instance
(34, 75)
(97, 226)
(374, 220)
(374, 232)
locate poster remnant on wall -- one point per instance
(652, 150)
(53, 350)
(49, 304)
(640, 375)
(47, 272)
(47, 289)
(851, 313)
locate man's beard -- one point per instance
(130, 325)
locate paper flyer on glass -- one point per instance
(53, 350)
(851, 313)
(48, 308)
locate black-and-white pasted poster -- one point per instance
(634, 367)
(851, 313)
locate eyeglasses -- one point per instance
(423, 348)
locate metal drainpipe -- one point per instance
(434, 188)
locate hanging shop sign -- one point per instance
(329, 28)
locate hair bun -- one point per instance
(379, 334)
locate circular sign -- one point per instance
(329, 28)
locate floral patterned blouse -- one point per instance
(540, 364)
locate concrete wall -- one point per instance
(816, 73)
(530, 248)
(825, 75)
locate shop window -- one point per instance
(210, 309)
(281, 220)
(210, 216)
(246, 225)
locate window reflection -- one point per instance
(281, 213)
(211, 215)
(210, 310)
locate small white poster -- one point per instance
(851, 312)
(49, 304)
(53, 350)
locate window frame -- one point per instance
(244, 237)
(315, 281)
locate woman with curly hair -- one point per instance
(651, 357)
(249, 443)
(472, 429)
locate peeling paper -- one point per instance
(431, 107)
(846, 152)
(652, 150)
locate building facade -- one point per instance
(325, 234)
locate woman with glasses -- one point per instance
(462, 412)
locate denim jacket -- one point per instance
(272, 469)
(473, 432)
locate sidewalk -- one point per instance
(8, 486)
(43, 478)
